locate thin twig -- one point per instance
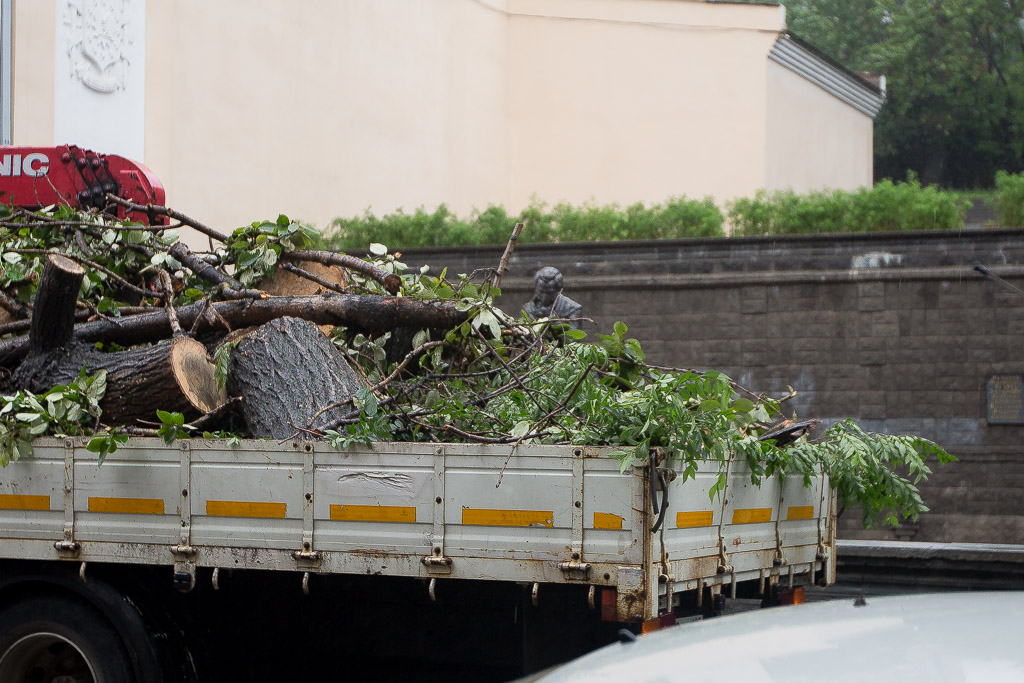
(313, 277)
(91, 264)
(509, 248)
(168, 289)
(561, 406)
(382, 383)
(515, 378)
(95, 312)
(170, 213)
(217, 413)
(200, 316)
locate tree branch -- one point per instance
(373, 314)
(170, 213)
(389, 281)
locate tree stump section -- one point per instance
(176, 376)
(53, 315)
(287, 371)
(283, 282)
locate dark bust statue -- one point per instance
(548, 300)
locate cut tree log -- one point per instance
(53, 315)
(175, 376)
(286, 372)
(365, 313)
(304, 281)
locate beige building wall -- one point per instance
(330, 107)
(325, 110)
(627, 100)
(832, 142)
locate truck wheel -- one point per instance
(51, 639)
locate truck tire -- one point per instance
(60, 638)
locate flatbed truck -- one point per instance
(205, 560)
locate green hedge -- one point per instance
(887, 206)
(1010, 199)
(678, 217)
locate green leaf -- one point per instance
(420, 338)
(521, 429)
(742, 405)
(433, 396)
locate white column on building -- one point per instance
(99, 79)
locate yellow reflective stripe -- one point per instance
(483, 517)
(606, 520)
(143, 506)
(235, 508)
(751, 515)
(694, 519)
(800, 512)
(14, 501)
(373, 513)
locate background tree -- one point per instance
(955, 73)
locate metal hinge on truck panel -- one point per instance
(68, 546)
(436, 562)
(575, 567)
(307, 555)
(184, 552)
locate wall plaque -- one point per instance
(1005, 399)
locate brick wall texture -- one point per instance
(899, 331)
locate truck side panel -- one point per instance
(545, 514)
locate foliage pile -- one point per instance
(887, 206)
(489, 379)
(678, 217)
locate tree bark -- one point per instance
(366, 313)
(286, 372)
(53, 315)
(174, 376)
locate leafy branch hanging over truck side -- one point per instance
(410, 356)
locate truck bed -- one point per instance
(537, 514)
